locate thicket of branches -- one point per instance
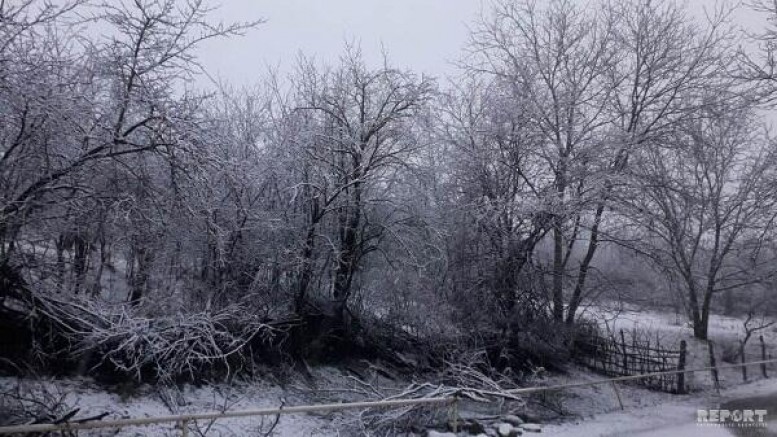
(156, 231)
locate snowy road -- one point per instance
(766, 402)
(677, 416)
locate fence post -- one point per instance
(617, 394)
(713, 366)
(681, 366)
(763, 355)
(454, 413)
(744, 367)
(185, 428)
(625, 354)
(638, 356)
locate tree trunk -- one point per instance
(306, 269)
(506, 280)
(593, 244)
(696, 313)
(704, 319)
(80, 261)
(700, 330)
(345, 264)
(97, 286)
(558, 240)
(700, 318)
(139, 281)
(558, 270)
(60, 245)
(350, 220)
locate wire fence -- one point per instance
(184, 420)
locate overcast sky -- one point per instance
(419, 34)
(423, 35)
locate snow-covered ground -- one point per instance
(725, 332)
(148, 402)
(670, 326)
(595, 409)
(675, 416)
(650, 414)
(587, 411)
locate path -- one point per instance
(677, 416)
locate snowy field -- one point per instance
(670, 327)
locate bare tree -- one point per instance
(662, 61)
(758, 55)
(707, 199)
(557, 56)
(359, 124)
(496, 188)
(92, 101)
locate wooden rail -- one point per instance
(49, 427)
(450, 401)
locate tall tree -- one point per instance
(557, 55)
(496, 190)
(662, 61)
(359, 131)
(706, 199)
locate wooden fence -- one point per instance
(616, 355)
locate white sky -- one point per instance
(422, 35)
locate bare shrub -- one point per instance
(31, 401)
(179, 345)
